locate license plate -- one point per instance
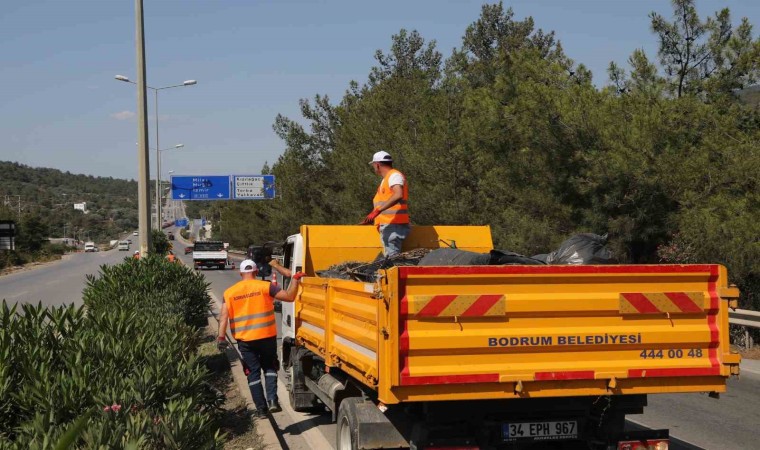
(540, 431)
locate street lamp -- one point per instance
(158, 157)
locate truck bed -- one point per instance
(489, 332)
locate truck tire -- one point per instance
(347, 425)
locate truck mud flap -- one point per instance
(375, 430)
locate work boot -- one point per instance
(260, 413)
(274, 406)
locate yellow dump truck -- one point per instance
(482, 357)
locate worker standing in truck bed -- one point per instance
(390, 213)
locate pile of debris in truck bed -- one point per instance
(586, 248)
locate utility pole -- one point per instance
(143, 193)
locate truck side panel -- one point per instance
(537, 331)
(349, 339)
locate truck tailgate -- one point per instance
(450, 333)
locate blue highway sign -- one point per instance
(201, 187)
(253, 187)
(181, 222)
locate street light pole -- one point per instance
(143, 194)
(158, 162)
(158, 169)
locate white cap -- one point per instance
(137, 252)
(381, 156)
(248, 266)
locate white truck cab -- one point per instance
(293, 257)
(90, 247)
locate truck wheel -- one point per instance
(348, 425)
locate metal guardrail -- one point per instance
(747, 319)
(744, 317)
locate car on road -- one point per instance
(134, 233)
(90, 247)
(129, 240)
(188, 249)
(123, 246)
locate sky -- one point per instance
(61, 107)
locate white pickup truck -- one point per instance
(90, 247)
(210, 254)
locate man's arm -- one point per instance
(290, 294)
(398, 194)
(285, 272)
(224, 315)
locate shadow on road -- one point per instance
(675, 443)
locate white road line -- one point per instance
(312, 436)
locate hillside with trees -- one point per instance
(41, 201)
(509, 131)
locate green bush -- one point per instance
(128, 357)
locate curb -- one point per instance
(264, 428)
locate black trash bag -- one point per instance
(333, 274)
(585, 248)
(454, 257)
(505, 257)
(541, 257)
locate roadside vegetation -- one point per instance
(661, 152)
(123, 371)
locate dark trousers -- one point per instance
(261, 355)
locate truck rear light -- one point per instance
(650, 444)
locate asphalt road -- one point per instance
(728, 423)
(58, 282)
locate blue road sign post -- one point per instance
(253, 187)
(201, 187)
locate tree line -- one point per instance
(41, 202)
(509, 131)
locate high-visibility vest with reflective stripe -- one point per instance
(251, 310)
(398, 213)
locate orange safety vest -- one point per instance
(398, 213)
(251, 310)
(170, 258)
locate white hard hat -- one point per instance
(381, 156)
(248, 266)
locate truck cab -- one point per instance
(90, 247)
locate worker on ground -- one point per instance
(390, 214)
(170, 256)
(249, 308)
(136, 255)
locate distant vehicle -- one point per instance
(124, 246)
(90, 247)
(129, 240)
(171, 236)
(134, 233)
(188, 249)
(209, 254)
